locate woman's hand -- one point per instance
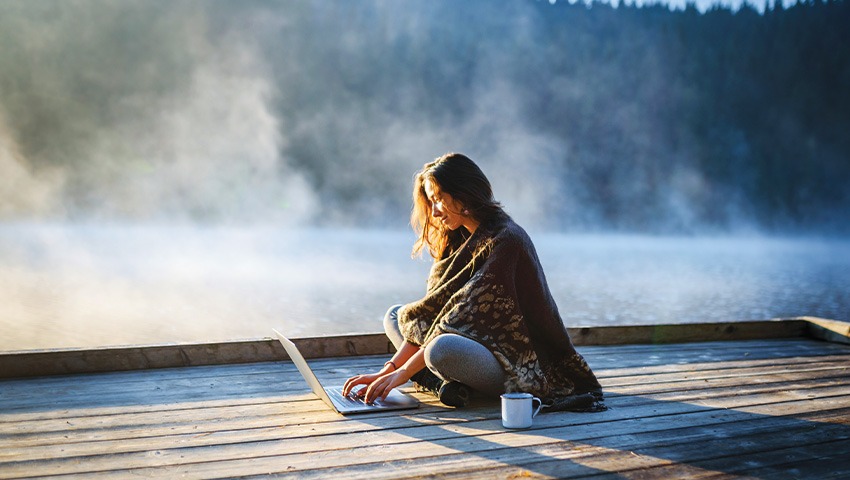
(378, 385)
(360, 380)
(410, 358)
(384, 384)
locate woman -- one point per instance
(488, 322)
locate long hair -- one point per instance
(458, 176)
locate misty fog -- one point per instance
(202, 170)
(586, 117)
(92, 285)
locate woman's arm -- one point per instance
(403, 355)
(409, 359)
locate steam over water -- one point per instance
(146, 149)
(63, 286)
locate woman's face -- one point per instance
(444, 208)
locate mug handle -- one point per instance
(539, 406)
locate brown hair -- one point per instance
(458, 176)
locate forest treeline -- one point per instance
(586, 117)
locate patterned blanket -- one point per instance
(491, 288)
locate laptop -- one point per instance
(333, 395)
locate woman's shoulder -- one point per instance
(507, 232)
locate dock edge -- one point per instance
(32, 363)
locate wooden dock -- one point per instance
(757, 400)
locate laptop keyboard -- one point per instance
(342, 400)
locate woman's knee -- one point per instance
(454, 357)
(391, 327)
(447, 350)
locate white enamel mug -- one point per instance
(517, 411)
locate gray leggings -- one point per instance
(455, 358)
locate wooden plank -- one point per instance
(735, 401)
(785, 370)
(252, 389)
(289, 387)
(69, 361)
(673, 408)
(626, 462)
(171, 433)
(32, 386)
(230, 431)
(695, 332)
(296, 386)
(162, 387)
(828, 330)
(790, 353)
(611, 374)
(430, 441)
(93, 391)
(159, 383)
(577, 458)
(822, 461)
(655, 355)
(336, 371)
(809, 344)
(216, 420)
(644, 438)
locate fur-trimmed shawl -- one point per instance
(491, 288)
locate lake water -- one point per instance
(81, 286)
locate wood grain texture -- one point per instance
(771, 408)
(127, 358)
